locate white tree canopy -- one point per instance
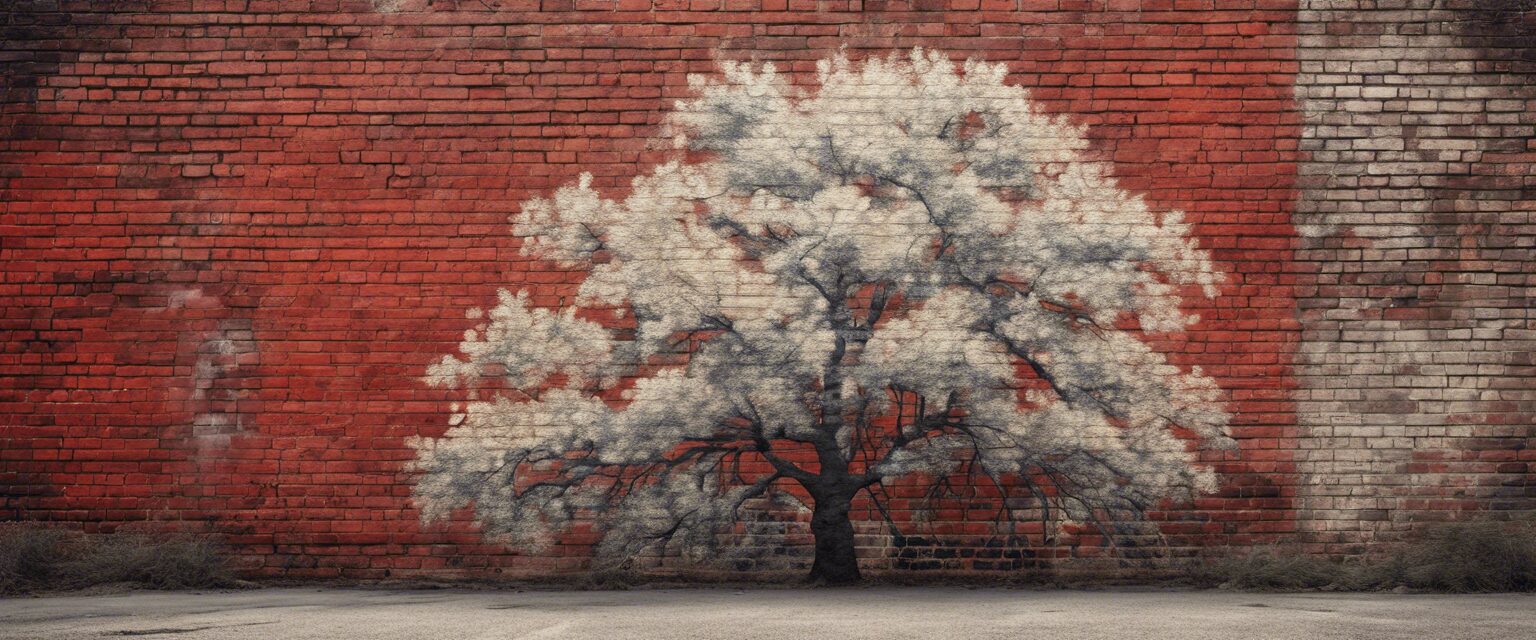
(909, 241)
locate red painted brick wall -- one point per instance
(235, 233)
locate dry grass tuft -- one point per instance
(1272, 569)
(37, 558)
(1461, 558)
(1455, 558)
(29, 556)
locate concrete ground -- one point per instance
(844, 614)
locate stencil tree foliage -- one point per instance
(905, 271)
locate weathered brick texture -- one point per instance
(1418, 398)
(234, 234)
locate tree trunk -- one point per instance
(836, 563)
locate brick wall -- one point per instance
(234, 234)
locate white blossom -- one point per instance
(905, 233)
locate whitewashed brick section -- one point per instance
(1418, 391)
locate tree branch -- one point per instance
(765, 447)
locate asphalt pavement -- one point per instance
(841, 614)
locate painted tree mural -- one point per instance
(907, 271)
